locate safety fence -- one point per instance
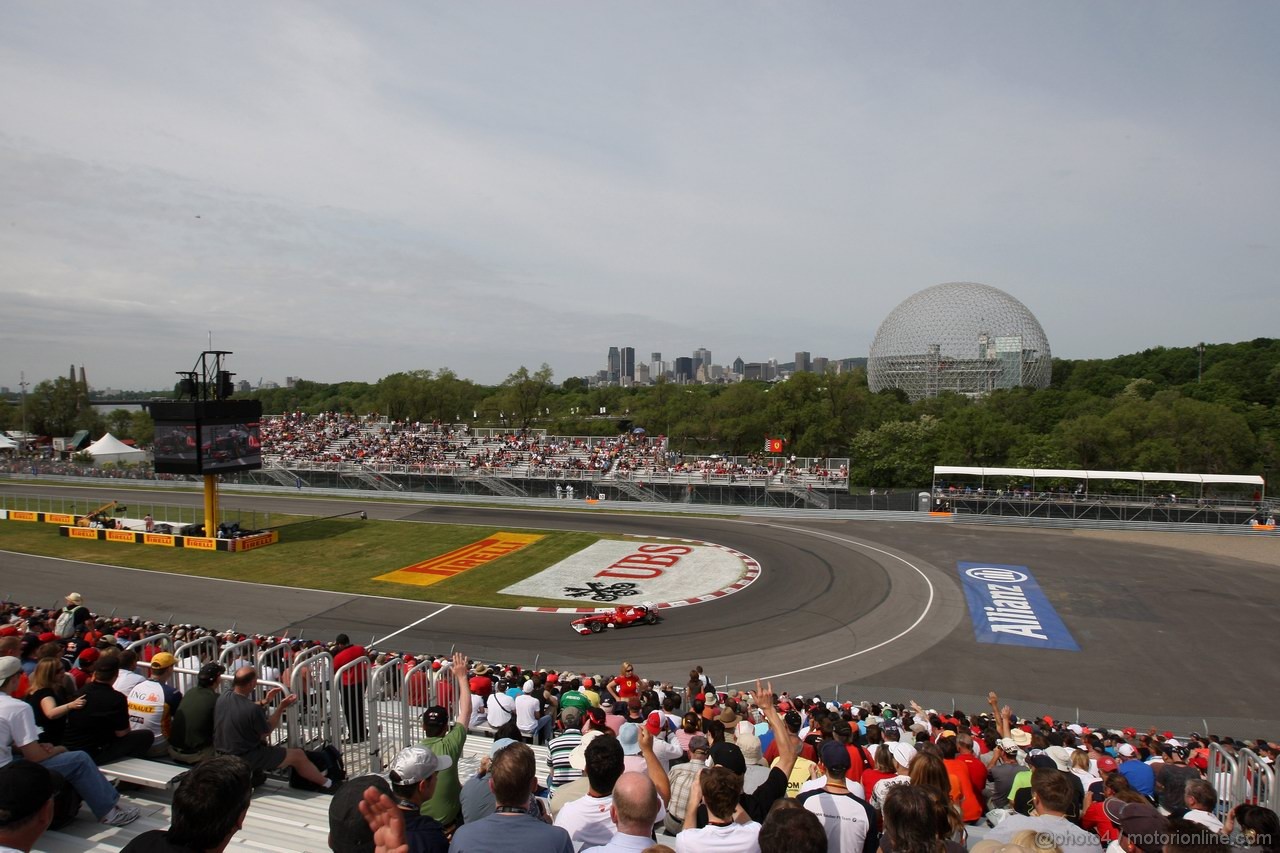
(369, 712)
(1241, 778)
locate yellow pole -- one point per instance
(210, 505)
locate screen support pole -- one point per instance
(211, 505)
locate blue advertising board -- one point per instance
(1008, 608)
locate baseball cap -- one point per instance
(25, 787)
(527, 687)
(697, 743)
(48, 637)
(500, 744)
(834, 756)
(655, 722)
(416, 764)
(1106, 764)
(1038, 758)
(209, 673)
(588, 682)
(889, 726)
(729, 756)
(163, 660)
(9, 667)
(1008, 745)
(9, 631)
(629, 737)
(1126, 750)
(436, 715)
(89, 656)
(1139, 821)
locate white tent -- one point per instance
(111, 449)
(7, 443)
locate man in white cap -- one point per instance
(71, 619)
(413, 776)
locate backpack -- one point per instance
(65, 627)
(328, 761)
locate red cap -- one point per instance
(1106, 764)
(1130, 732)
(1199, 762)
(90, 655)
(655, 722)
(1048, 720)
(8, 631)
(552, 678)
(588, 683)
(435, 664)
(410, 659)
(48, 637)
(1168, 735)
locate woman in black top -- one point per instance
(51, 700)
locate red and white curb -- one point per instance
(751, 571)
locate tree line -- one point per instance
(1163, 409)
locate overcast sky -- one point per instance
(340, 191)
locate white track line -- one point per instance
(411, 625)
(927, 607)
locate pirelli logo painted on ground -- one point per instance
(462, 559)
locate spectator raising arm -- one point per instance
(781, 734)
(462, 688)
(1002, 717)
(653, 766)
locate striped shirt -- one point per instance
(558, 750)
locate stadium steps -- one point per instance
(638, 491)
(811, 497)
(279, 819)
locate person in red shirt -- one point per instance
(791, 721)
(353, 681)
(481, 684)
(977, 770)
(625, 684)
(969, 799)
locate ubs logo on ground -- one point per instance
(1009, 608)
(611, 569)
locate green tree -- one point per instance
(53, 407)
(120, 423)
(522, 395)
(896, 454)
(142, 428)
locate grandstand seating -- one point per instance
(331, 442)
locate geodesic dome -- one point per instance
(963, 337)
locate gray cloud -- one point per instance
(340, 194)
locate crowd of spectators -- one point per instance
(627, 759)
(299, 440)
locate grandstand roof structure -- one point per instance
(1034, 474)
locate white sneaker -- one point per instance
(120, 817)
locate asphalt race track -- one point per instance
(1168, 637)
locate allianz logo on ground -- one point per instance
(1008, 608)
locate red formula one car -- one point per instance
(616, 617)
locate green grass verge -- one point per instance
(343, 555)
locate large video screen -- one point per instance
(207, 436)
(230, 447)
(176, 448)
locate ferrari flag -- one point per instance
(773, 445)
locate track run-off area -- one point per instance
(1162, 633)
